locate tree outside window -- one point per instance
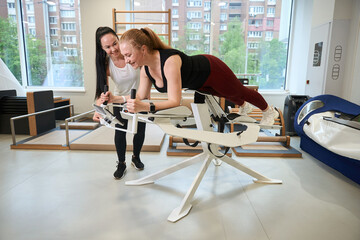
(53, 55)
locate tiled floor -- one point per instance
(72, 195)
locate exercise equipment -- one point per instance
(210, 142)
(329, 129)
(269, 143)
(291, 105)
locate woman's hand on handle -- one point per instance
(106, 97)
(96, 117)
(136, 105)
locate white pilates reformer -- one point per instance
(210, 141)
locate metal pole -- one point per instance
(72, 119)
(67, 133)
(12, 127)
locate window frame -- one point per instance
(25, 68)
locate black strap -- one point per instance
(189, 144)
(218, 156)
(186, 141)
(232, 116)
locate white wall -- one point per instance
(323, 12)
(352, 76)
(299, 45)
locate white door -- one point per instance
(317, 63)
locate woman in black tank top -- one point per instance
(171, 70)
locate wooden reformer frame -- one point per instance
(279, 138)
(168, 23)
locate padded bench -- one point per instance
(13, 106)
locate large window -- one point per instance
(250, 36)
(46, 52)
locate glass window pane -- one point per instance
(250, 36)
(9, 45)
(52, 42)
(53, 47)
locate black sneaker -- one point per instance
(120, 171)
(136, 163)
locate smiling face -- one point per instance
(110, 44)
(133, 56)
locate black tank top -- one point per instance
(194, 69)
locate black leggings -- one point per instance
(120, 137)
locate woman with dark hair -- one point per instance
(110, 62)
(171, 70)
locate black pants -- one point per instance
(120, 137)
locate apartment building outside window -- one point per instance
(255, 34)
(175, 25)
(207, 17)
(241, 33)
(55, 43)
(270, 23)
(255, 22)
(52, 8)
(32, 32)
(235, 5)
(52, 57)
(206, 28)
(253, 45)
(194, 37)
(53, 20)
(67, 1)
(223, 27)
(69, 39)
(53, 31)
(271, 2)
(194, 25)
(67, 13)
(31, 19)
(194, 3)
(271, 12)
(71, 52)
(223, 5)
(223, 16)
(207, 6)
(194, 14)
(68, 26)
(29, 7)
(234, 16)
(256, 10)
(269, 36)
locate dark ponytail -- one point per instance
(101, 60)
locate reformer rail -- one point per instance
(12, 125)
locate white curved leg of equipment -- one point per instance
(185, 205)
(259, 178)
(176, 167)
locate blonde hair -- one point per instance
(144, 36)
